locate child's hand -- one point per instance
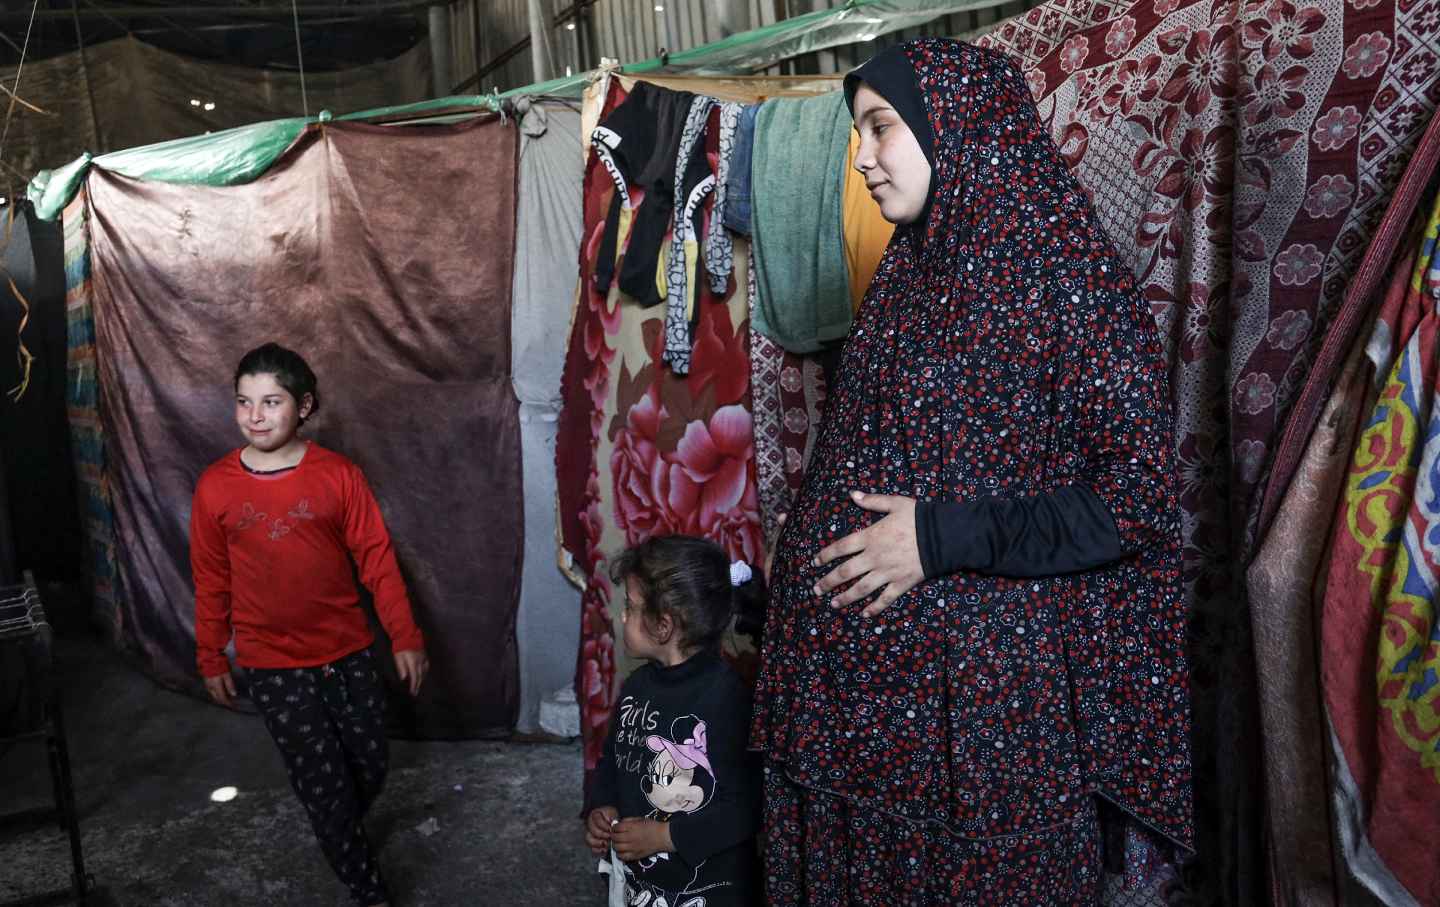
(412, 666)
(597, 829)
(221, 689)
(636, 839)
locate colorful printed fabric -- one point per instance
(1239, 154)
(787, 393)
(1001, 351)
(87, 436)
(642, 451)
(1380, 637)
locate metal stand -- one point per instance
(22, 625)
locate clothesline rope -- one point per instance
(299, 58)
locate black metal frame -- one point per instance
(51, 730)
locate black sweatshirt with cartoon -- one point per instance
(676, 753)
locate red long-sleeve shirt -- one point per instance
(269, 558)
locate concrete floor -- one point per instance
(145, 761)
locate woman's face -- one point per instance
(890, 158)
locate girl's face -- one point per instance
(890, 158)
(266, 412)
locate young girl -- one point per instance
(273, 527)
(675, 794)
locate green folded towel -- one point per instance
(797, 186)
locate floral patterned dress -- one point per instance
(953, 749)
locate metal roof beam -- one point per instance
(252, 11)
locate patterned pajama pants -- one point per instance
(329, 723)
(823, 852)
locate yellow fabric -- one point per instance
(627, 214)
(692, 265)
(867, 232)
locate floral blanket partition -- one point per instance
(1241, 155)
(643, 452)
(1380, 640)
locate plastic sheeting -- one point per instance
(547, 241)
(220, 159)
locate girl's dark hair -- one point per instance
(688, 578)
(290, 369)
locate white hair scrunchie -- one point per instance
(740, 573)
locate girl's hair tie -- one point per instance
(740, 573)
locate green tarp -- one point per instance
(218, 159)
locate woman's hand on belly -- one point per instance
(886, 555)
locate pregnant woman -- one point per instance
(974, 653)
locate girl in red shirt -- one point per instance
(273, 528)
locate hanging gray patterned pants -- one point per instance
(329, 723)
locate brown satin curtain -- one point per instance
(383, 255)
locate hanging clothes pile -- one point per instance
(817, 234)
(676, 418)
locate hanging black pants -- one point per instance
(329, 723)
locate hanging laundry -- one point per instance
(638, 144)
(1378, 659)
(804, 289)
(693, 181)
(641, 451)
(737, 182)
(719, 251)
(867, 232)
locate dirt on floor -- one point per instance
(462, 823)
